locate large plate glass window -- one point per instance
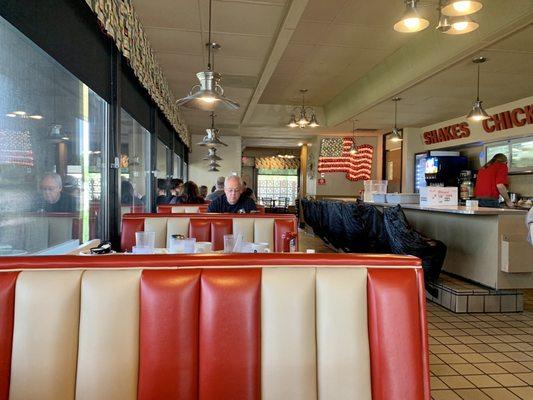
(134, 166)
(519, 153)
(52, 130)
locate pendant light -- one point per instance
(213, 169)
(462, 25)
(306, 118)
(353, 147)
(477, 113)
(457, 8)
(444, 24)
(411, 20)
(396, 135)
(212, 139)
(209, 94)
(212, 155)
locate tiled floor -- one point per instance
(480, 356)
(474, 356)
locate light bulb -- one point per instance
(412, 23)
(11, 115)
(19, 112)
(460, 26)
(462, 6)
(353, 151)
(208, 99)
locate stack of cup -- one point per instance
(144, 243)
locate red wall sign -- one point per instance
(509, 119)
(452, 132)
(321, 181)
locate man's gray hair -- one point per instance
(233, 177)
(220, 182)
(55, 177)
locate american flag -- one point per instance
(15, 148)
(335, 157)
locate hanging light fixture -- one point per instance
(477, 113)
(462, 25)
(457, 8)
(396, 135)
(411, 20)
(213, 169)
(444, 24)
(303, 120)
(209, 94)
(212, 139)
(212, 155)
(353, 147)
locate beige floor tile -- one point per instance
(454, 358)
(519, 356)
(466, 369)
(502, 347)
(497, 357)
(524, 392)
(443, 369)
(500, 394)
(433, 359)
(482, 381)
(490, 368)
(526, 377)
(522, 346)
(472, 394)
(448, 340)
(457, 382)
(444, 395)
(439, 349)
(468, 339)
(508, 380)
(437, 333)
(488, 339)
(513, 367)
(474, 358)
(481, 347)
(460, 348)
(436, 383)
(528, 364)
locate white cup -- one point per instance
(203, 247)
(472, 204)
(260, 248)
(142, 250)
(145, 239)
(182, 245)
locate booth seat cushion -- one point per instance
(305, 331)
(209, 228)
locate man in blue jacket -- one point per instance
(232, 201)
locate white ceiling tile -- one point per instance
(320, 10)
(174, 41)
(168, 13)
(247, 46)
(309, 32)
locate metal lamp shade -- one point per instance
(444, 23)
(209, 95)
(211, 139)
(456, 8)
(213, 169)
(292, 123)
(477, 113)
(411, 20)
(213, 164)
(396, 136)
(313, 123)
(212, 155)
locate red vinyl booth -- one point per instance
(240, 327)
(192, 208)
(210, 227)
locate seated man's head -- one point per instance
(51, 186)
(233, 188)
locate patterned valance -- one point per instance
(119, 21)
(276, 163)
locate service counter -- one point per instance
(485, 245)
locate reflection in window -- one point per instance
(161, 161)
(52, 127)
(177, 167)
(134, 166)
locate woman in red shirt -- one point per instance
(492, 181)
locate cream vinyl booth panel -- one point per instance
(45, 335)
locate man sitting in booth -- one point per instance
(232, 201)
(53, 198)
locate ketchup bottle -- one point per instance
(289, 242)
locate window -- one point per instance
(519, 152)
(177, 167)
(161, 161)
(52, 130)
(277, 184)
(134, 166)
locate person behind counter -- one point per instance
(233, 200)
(54, 200)
(492, 181)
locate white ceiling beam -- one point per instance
(287, 28)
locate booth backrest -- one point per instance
(192, 208)
(182, 208)
(298, 327)
(209, 227)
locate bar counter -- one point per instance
(485, 245)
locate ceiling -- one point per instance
(345, 53)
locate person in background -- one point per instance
(176, 191)
(203, 191)
(219, 189)
(53, 199)
(163, 192)
(232, 201)
(128, 196)
(248, 192)
(492, 181)
(191, 193)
